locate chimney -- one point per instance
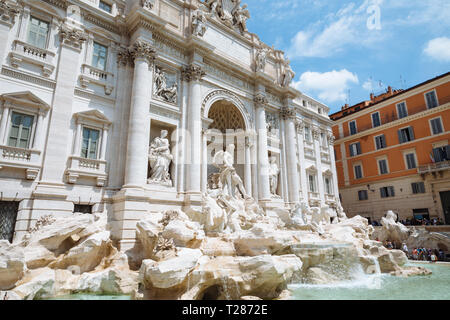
(390, 90)
(372, 96)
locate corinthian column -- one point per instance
(301, 158)
(263, 156)
(331, 140)
(288, 115)
(193, 74)
(138, 131)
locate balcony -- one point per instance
(24, 52)
(97, 76)
(91, 168)
(433, 167)
(27, 159)
(309, 153)
(330, 199)
(325, 157)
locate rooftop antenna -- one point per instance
(402, 82)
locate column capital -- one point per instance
(300, 126)
(316, 133)
(143, 50)
(260, 99)
(124, 57)
(287, 113)
(8, 13)
(331, 138)
(73, 38)
(192, 73)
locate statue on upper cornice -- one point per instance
(288, 75)
(198, 23)
(260, 59)
(240, 16)
(229, 12)
(148, 4)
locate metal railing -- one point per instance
(434, 167)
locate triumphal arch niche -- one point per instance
(229, 123)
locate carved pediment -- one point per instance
(312, 169)
(25, 98)
(93, 115)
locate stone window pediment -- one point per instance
(87, 166)
(25, 99)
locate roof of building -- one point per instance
(375, 100)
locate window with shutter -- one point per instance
(411, 161)
(431, 100)
(391, 192)
(401, 110)
(382, 164)
(358, 172)
(376, 122)
(353, 129)
(380, 142)
(405, 135)
(436, 126)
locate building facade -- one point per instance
(118, 106)
(393, 153)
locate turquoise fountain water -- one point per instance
(382, 287)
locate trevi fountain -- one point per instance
(164, 154)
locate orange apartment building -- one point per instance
(393, 152)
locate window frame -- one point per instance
(388, 193)
(99, 142)
(406, 153)
(108, 4)
(358, 149)
(47, 36)
(375, 141)
(431, 126)
(436, 96)
(350, 127)
(420, 183)
(99, 43)
(406, 109)
(363, 192)
(329, 185)
(31, 140)
(354, 170)
(413, 135)
(379, 119)
(314, 182)
(384, 158)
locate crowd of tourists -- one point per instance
(421, 254)
(422, 222)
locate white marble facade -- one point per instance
(167, 71)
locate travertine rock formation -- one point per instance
(230, 249)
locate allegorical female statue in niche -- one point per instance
(274, 171)
(160, 159)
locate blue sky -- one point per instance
(343, 50)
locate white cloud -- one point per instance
(438, 49)
(343, 29)
(330, 86)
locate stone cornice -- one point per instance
(394, 123)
